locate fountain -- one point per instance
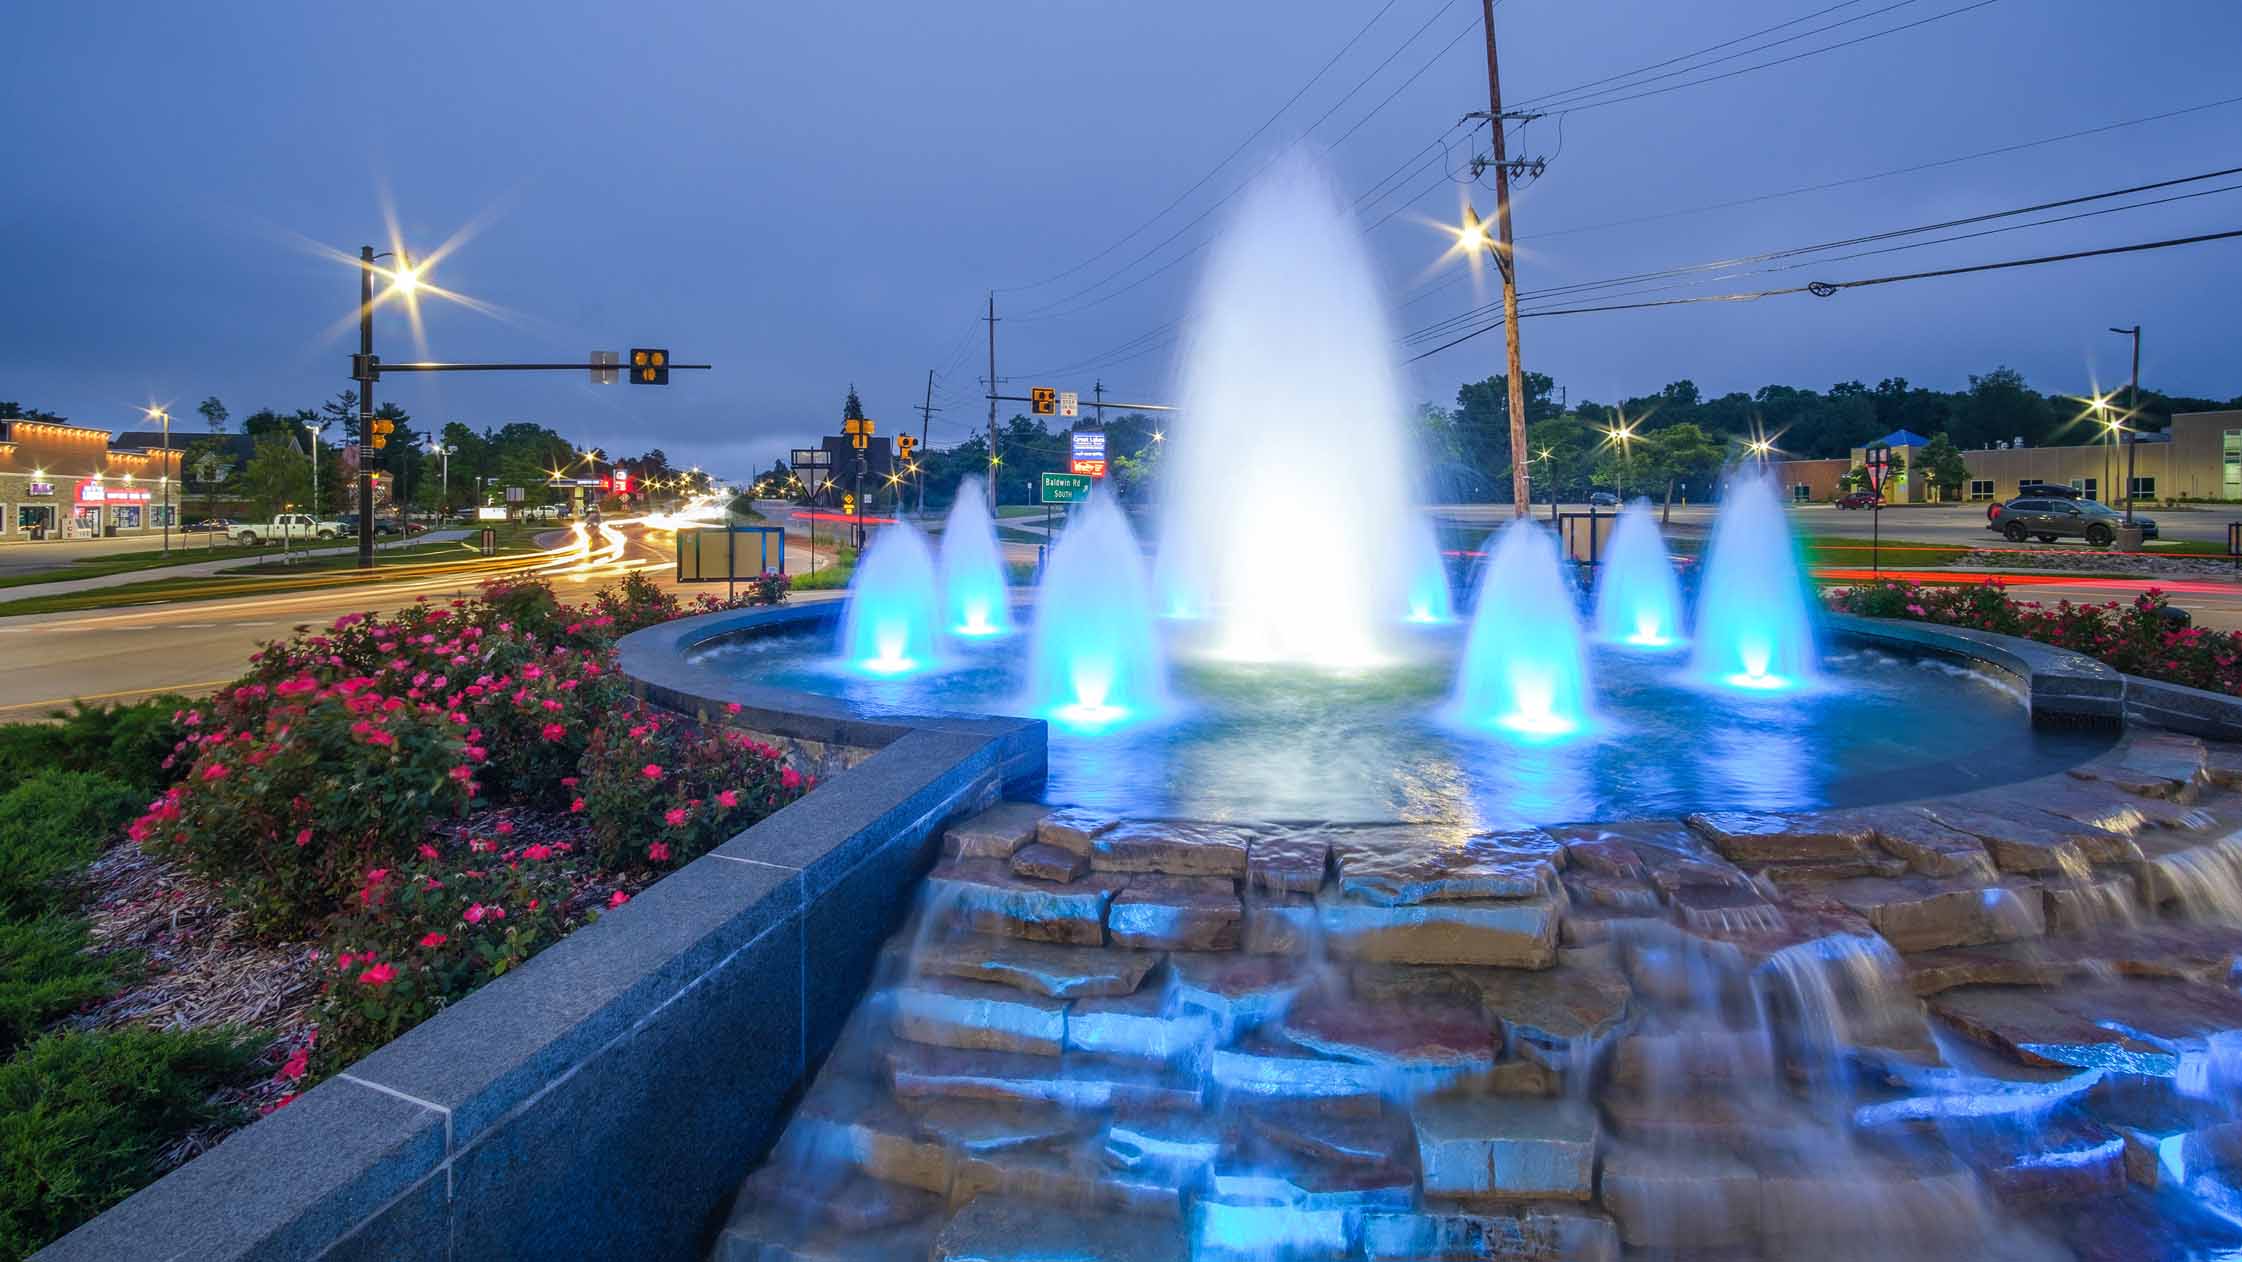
(1427, 594)
(1638, 599)
(1523, 667)
(975, 599)
(1289, 490)
(1094, 659)
(1755, 626)
(893, 622)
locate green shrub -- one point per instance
(289, 817)
(131, 743)
(423, 935)
(827, 577)
(84, 1117)
(51, 825)
(45, 974)
(660, 792)
(26, 749)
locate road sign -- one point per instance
(848, 502)
(1086, 453)
(1043, 400)
(1065, 488)
(1878, 462)
(812, 458)
(602, 375)
(1069, 403)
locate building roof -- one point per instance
(1902, 438)
(241, 446)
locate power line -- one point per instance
(1881, 175)
(1225, 160)
(1047, 311)
(1574, 107)
(1794, 251)
(1554, 100)
(1825, 289)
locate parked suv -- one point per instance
(2047, 520)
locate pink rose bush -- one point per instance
(2136, 637)
(661, 791)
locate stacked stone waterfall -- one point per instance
(1980, 1026)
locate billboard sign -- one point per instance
(1086, 453)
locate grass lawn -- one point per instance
(273, 578)
(1899, 553)
(828, 575)
(513, 538)
(185, 550)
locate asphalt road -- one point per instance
(46, 660)
(1927, 523)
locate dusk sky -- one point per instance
(810, 195)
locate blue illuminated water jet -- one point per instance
(975, 600)
(1427, 593)
(1524, 669)
(1638, 599)
(1755, 624)
(1094, 660)
(893, 623)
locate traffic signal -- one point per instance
(382, 430)
(906, 444)
(1043, 401)
(649, 366)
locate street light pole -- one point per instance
(364, 373)
(166, 476)
(2133, 414)
(315, 431)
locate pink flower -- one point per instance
(552, 732)
(652, 771)
(790, 778)
(474, 914)
(728, 799)
(217, 771)
(731, 707)
(427, 851)
(658, 852)
(537, 852)
(618, 898)
(378, 975)
(576, 806)
(505, 826)
(674, 817)
(298, 1061)
(303, 837)
(433, 939)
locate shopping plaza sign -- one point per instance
(1087, 453)
(95, 491)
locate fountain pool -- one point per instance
(1243, 740)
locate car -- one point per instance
(2047, 519)
(1860, 499)
(209, 526)
(1602, 499)
(284, 526)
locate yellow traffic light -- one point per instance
(1043, 400)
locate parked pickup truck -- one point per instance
(284, 526)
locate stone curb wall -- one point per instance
(601, 1100)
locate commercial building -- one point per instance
(62, 481)
(2198, 457)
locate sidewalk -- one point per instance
(199, 568)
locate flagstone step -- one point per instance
(1010, 1229)
(1055, 969)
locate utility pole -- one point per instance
(993, 465)
(1506, 263)
(2133, 418)
(926, 416)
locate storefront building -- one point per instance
(2198, 457)
(68, 482)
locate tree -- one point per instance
(852, 409)
(1682, 453)
(279, 474)
(213, 413)
(1483, 420)
(1943, 466)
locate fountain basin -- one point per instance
(1896, 714)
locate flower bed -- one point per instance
(2141, 638)
(377, 819)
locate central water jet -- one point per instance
(892, 627)
(1289, 519)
